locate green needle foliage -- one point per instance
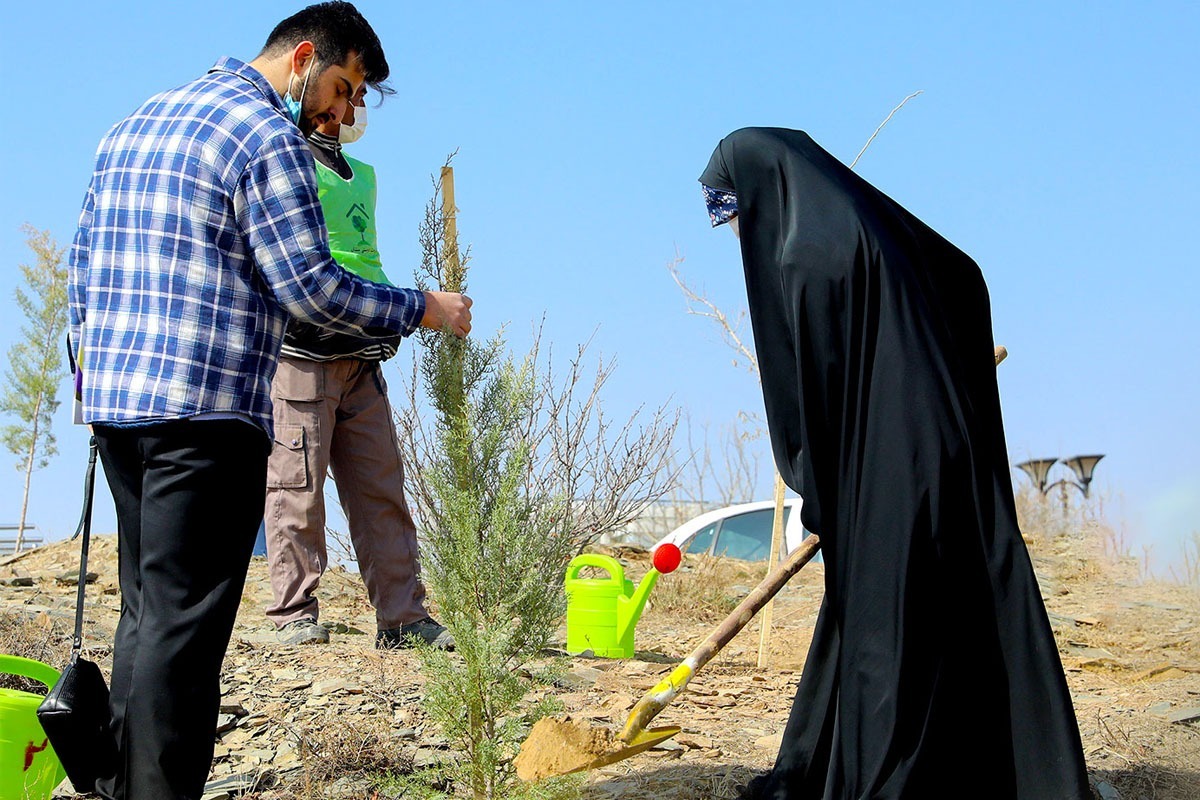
(492, 551)
(499, 463)
(35, 362)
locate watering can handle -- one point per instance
(28, 668)
(606, 563)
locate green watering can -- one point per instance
(603, 612)
(29, 769)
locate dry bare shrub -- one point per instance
(1083, 543)
(718, 468)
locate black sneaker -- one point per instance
(303, 631)
(427, 630)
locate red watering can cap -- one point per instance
(667, 557)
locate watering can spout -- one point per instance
(629, 609)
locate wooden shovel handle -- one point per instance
(770, 586)
(667, 689)
(754, 601)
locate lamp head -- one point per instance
(1038, 469)
(1083, 467)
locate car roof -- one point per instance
(689, 528)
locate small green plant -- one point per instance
(493, 557)
(513, 475)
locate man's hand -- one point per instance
(448, 310)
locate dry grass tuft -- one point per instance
(679, 780)
(336, 746)
(1083, 545)
(1118, 741)
(705, 587)
(1187, 572)
(35, 637)
(1041, 519)
(1150, 781)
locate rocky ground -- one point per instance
(293, 717)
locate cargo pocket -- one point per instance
(288, 465)
(298, 379)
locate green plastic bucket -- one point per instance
(29, 769)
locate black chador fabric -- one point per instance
(933, 672)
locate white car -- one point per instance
(741, 531)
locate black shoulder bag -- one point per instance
(75, 714)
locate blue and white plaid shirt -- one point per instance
(200, 234)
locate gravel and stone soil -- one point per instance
(292, 717)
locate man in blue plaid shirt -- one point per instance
(201, 233)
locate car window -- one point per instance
(748, 536)
(701, 543)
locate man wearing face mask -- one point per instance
(201, 234)
(331, 411)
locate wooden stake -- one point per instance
(777, 547)
(454, 279)
(452, 274)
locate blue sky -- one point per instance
(1054, 142)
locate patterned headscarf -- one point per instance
(722, 205)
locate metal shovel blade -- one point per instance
(561, 745)
(642, 742)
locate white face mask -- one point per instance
(352, 133)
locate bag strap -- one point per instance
(85, 528)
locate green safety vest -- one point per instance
(349, 207)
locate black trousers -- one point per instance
(189, 498)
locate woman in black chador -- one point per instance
(933, 672)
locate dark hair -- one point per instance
(336, 30)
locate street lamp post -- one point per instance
(1038, 470)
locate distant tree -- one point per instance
(34, 362)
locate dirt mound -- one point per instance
(558, 745)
